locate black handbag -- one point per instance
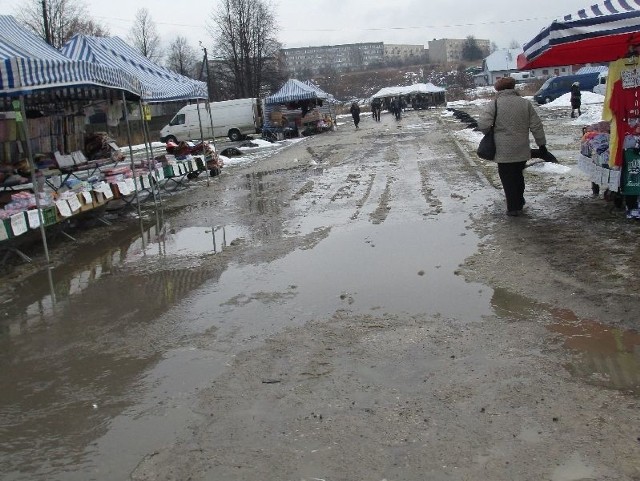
(487, 148)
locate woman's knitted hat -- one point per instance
(504, 83)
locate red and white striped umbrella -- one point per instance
(601, 33)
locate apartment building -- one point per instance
(353, 56)
(405, 52)
(449, 50)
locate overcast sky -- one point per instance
(330, 22)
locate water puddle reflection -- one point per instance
(605, 356)
(121, 270)
(193, 241)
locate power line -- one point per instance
(455, 25)
(372, 29)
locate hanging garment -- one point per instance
(621, 103)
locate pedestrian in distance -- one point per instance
(376, 109)
(396, 108)
(576, 99)
(514, 119)
(355, 113)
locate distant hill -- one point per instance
(362, 85)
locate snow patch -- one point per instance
(565, 100)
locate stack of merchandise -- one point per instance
(594, 158)
(595, 143)
(20, 213)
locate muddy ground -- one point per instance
(375, 316)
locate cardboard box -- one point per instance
(86, 201)
(98, 198)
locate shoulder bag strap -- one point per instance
(495, 113)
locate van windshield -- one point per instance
(177, 120)
(545, 84)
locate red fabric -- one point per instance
(589, 50)
(624, 104)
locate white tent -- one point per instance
(419, 96)
(422, 88)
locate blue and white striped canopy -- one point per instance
(29, 65)
(601, 33)
(158, 83)
(294, 90)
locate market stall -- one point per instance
(607, 32)
(418, 96)
(40, 91)
(298, 108)
(158, 84)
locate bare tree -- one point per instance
(244, 34)
(514, 44)
(56, 21)
(144, 35)
(470, 49)
(182, 57)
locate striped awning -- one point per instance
(159, 84)
(294, 90)
(600, 33)
(29, 66)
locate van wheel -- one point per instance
(547, 100)
(171, 138)
(235, 135)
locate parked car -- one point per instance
(232, 118)
(555, 87)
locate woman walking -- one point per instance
(514, 119)
(355, 113)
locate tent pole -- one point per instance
(213, 134)
(200, 123)
(32, 166)
(150, 158)
(148, 134)
(204, 155)
(135, 181)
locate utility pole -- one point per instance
(45, 22)
(205, 67)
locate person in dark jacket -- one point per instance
(376, 108)
(576, 99)
(355, 113)
(516, 118)
(396, 108)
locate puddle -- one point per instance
(105, 272)
(395, 267)
(514, 307)
(604, 356)
(193, 241)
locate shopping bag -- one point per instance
(487, 148)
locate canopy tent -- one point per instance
(30, 67)
(159, 84)
(600, 33)
(32, 72)
(294, 90)
(421, 88)
(296, 107)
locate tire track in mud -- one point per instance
(379, 215)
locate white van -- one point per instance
(601, 88)
(231, 118)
